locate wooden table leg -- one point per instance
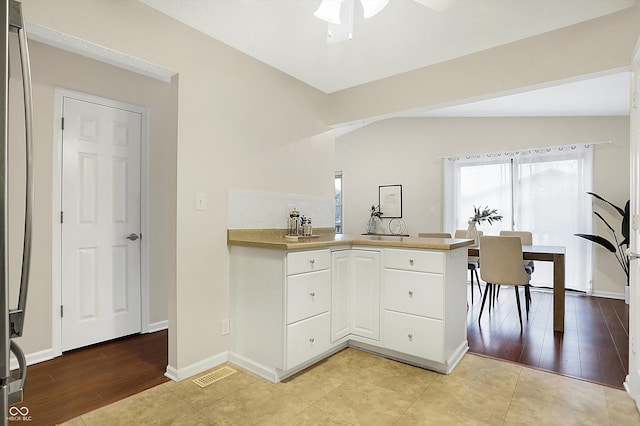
(558, 292)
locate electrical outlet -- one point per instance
(224, 326)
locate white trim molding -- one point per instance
(200, 366)
(95, 51)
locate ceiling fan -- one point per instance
(339, 14)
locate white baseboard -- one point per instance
(608, 295)
(33, 358)
(157, 326)
(193, 369)
(253, 367)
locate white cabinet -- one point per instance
(291, 308)
(365, 295)
(355, 283)
(308, 291)
(422, 298)
(340, 294)
(280, 309)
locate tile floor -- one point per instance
(357, 388)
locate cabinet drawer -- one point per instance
(414, 260)
(308, 295)
(417, 293)
(308, 261)
(413, 335)
(307, 339)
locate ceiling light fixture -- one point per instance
(341, 19)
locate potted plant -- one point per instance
(372, 224)
(481, 215)
(619, 244)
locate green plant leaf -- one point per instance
(598, 240)
(611, 204)
(625, 225)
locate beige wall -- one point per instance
(591, 47)
(53, 68)
(408, 151)
(240, 123)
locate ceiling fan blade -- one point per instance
(372, 7)
(437, 5)
(329, 10)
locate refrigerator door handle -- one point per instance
(16, 316)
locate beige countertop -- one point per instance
(275, 239)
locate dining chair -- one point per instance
(434, 235)
(502, 265)
(473, 262)
(526, 238)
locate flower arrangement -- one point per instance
(481, 215)
(375, 211)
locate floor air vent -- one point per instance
(214, 376)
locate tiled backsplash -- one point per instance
(254, 209)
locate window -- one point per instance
(543, 191)
(338, 193)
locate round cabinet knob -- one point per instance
(312, 261)
(411, 262)
(312, 294)
(410, 294)
(312, 340)
(410, 337)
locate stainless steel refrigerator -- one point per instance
(12, 319)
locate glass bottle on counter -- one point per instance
(294, 222)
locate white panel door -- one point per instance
(101, 208)
(633, 379)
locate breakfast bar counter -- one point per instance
(295, 302)
(275, 239)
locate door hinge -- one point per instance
(62, 123)
(61, 217)
(61, 311)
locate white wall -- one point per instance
(408, 151)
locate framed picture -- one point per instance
(390, 200)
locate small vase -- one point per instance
(472, 233)
(372, 225)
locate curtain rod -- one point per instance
(518, 151)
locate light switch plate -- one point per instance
(201, 201)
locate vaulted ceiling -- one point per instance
(405, 35)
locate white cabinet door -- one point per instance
(365, 296)
(340, 294)
(307, 339)
(308, 295)
(414, 335)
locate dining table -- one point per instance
(543, 253)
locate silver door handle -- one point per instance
(132, 237)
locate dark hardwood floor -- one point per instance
(82, 380)
(594, 346)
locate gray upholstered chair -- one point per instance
(473, 263)
(434, 235)
(502, 265)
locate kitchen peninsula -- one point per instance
(293, 303)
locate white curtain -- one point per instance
(543, 191)
(551, 200)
